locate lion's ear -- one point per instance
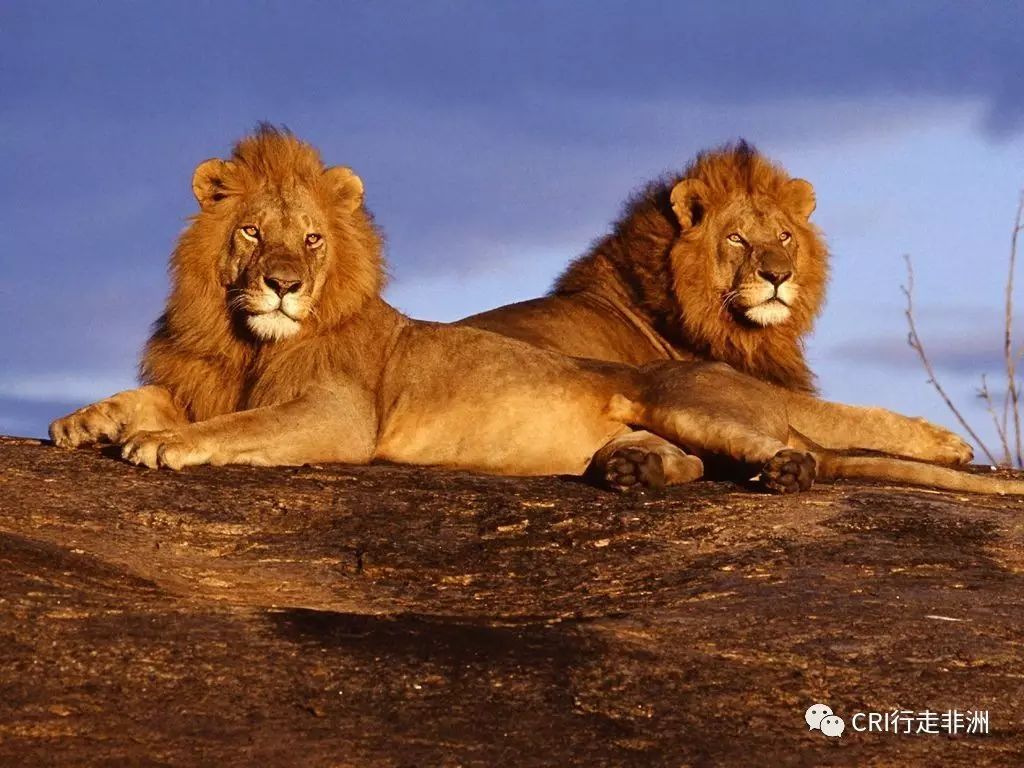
(209, 182)
(798, 196)
(347, 187)
(688, 200)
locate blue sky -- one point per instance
(496, 140)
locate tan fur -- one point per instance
(281, 238)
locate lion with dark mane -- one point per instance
(275, 347)
(720, 262)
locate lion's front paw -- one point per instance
(104, 421)
(167, 448)
(789, 471)
(634, 468)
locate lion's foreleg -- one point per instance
(113, 419)
(844, 427)
(320, 426)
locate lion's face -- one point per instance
(281, 243)
(760, 256)
(757, 261)
(277, 255)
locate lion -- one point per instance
(720, 262)
(276, 348)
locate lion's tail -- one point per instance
(832, 466)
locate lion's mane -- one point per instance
(198, 350)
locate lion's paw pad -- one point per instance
(630, 469)
(789, 471)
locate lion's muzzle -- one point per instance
(275, 302)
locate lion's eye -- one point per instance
(784, 236)
(734, 238)
(253, 233)
(314, 239)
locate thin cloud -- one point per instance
(960, 354)
(486, 132)
(498, 54)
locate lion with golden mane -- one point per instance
(276, 347)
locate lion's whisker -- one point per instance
(238, 300)
(729, 297)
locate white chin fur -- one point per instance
(769, 313)
(272, 326)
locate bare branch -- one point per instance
(915, 343)
(1013, 392)
(1006, 407)
(984, 394)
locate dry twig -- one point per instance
(1000, 424)
(915, 343)
(1013, 393)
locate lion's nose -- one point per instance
(282, 285)
(773, 277)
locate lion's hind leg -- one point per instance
(639, 460)
(723, 432)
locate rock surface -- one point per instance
(392, 616)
